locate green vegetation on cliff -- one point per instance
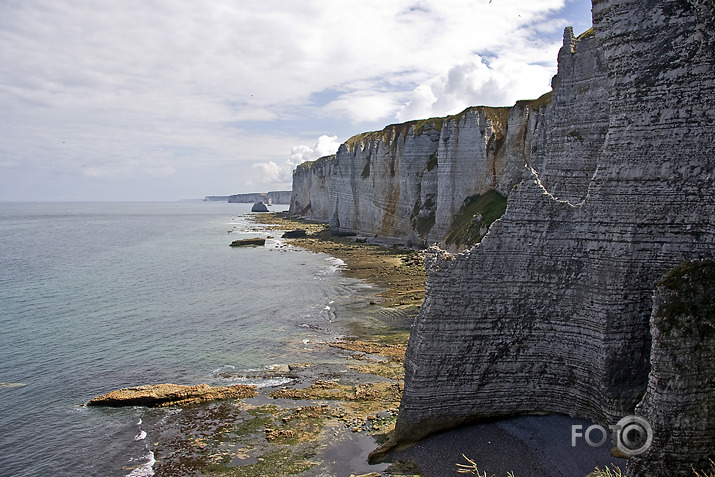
(692, 305)
(474, 218)
(590, 32)
(498, 116)
(393, 131)
(542, 101)
(304, 166)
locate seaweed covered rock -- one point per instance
(160, 395)
(249, 241)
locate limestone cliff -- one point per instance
(550, 312)
(269, 198)
(408, 182)
(609, 180)
(445, 180)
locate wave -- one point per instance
(146, 469)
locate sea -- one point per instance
(96, 297)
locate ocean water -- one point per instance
(100, 296)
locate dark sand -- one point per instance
(528, 446)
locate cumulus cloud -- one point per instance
(325, 146)
(363, 106)
(270, 173)
(476, 83)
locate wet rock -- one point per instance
(249, 241)
(259, 207)
(160, 395)
(297, 233)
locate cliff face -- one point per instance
(550, 312)
(273, 197)
(424, 182)
(407, 182)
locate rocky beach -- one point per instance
(329, 415)
(333, 412)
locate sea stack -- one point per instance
(259, 207)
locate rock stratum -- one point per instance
(407, 182)
(679, 402)
(609, 185)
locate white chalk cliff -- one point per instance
(610, 183)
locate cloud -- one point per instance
(325, 146)
(170, 87)
(476, 83)
(270, 173)
(363, 106)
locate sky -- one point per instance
(133, 100)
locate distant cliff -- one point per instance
(273, 197)
(446, 180)
(600, 188)
(408, 182)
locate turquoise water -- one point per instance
(100, 296)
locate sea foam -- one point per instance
(146, 469)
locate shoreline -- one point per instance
(331, 414)
(399, 271)
(529, 445)
(341, 405)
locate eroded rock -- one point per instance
(159, 395)
(679, 403)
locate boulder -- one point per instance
(259, 207)
(249, 241)
(297, 233)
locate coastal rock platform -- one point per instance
(159, 395)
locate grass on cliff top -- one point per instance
(497, 115)
(542, 101)
(476, 215)
(308, 164)
(590, 32)
(393, 131)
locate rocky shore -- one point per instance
(329, 415)
(332, 413)
(399, 271)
